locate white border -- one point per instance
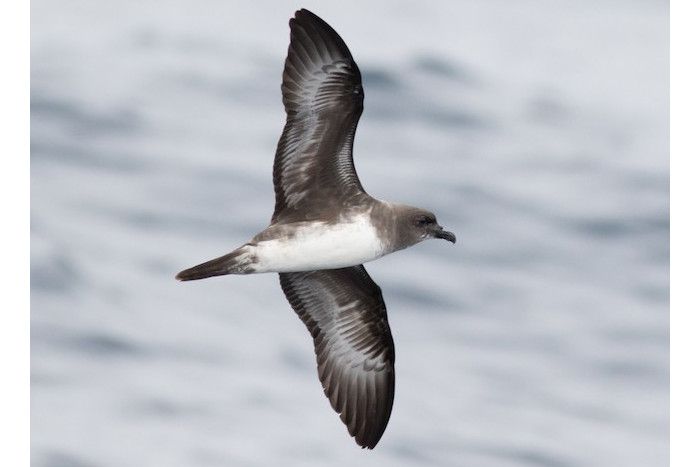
(685, 234)
(14, 211)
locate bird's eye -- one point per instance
(423, 221)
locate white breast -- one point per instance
(318, 245)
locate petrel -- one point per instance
(325, 226)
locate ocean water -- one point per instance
(537, 131)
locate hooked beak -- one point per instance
(445, 235)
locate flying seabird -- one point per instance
(325, 226)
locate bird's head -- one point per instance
(419, 224)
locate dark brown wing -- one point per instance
(344, 311)
(322, 94)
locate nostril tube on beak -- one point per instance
(445, 235)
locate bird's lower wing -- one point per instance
(344, 311)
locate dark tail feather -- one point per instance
(227, 264)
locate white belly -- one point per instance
(317, 245)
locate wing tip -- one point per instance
(316, 25)
(373, 424)
(300, 15)
(366, 444)
(303, 12)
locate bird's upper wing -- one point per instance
(322, 94)
(344, 311)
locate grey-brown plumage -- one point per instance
(344, 311)
(314, 177)
(314, 174)
(325, 226)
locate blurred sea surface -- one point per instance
(536, 130)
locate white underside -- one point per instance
(318, 245)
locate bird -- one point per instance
(325, 227)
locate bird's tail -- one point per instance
(239, 261)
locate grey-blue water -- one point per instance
(536, 130)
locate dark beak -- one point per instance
(445, 235)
